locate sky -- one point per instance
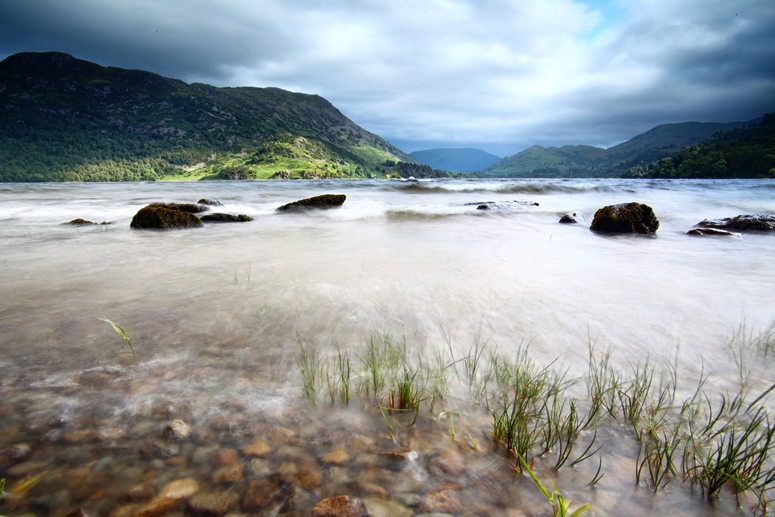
(496, 75)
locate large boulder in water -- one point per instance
(741, 223)
(324, 201)
(161, 216)
(625, 218)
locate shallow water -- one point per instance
(217, 313)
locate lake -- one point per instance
(220, 316)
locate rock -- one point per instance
(324, 201)
(191, 208)
(625, 218)
(141, 492)
(742, 223)
(339, 506)
(209, 202)
(158, 506)
(180, 489)
(258, 448)
(259, 494)
(300, 501)
(160, 216)
(408, 499)
(230, 474)
(441, 501)
(225, 458)
(225, 218)
(282, 435)
(335, 457)
(80, 222)
(713, 232)
(569, 219)
(15, 453)
(386, 508)
(452, 463)
(80, 512)
(483, 207)
(177, 430)
(213, 503)
(259, 468)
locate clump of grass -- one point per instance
(121, 333)
(310, 366)
(560, 507)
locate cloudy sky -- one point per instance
(494, 74)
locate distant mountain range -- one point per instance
(587, 161)
(458, 160)
(65, 119)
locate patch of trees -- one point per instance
(740, 153)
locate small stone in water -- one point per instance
(282, 435)
(180, 489)
(225, 458)
(77, 513)
(177, 430)
(257, 448)
(386, 508)
(260, 468)
(339, 506)
(408, 499)
(230, 474)
(335, 457)
(259, 494)
(14, 453)
(213, 503)
(441, 501)
(141, 492)
(451, 462)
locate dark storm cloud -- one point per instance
(458, 73)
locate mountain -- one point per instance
(587, 161)
(747, 152)
(65, 119)
(458, 160)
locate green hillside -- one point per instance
(587, 161)
(458, 160)
(64, 119)
(738, 153)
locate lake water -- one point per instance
(217, 315)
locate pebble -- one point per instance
(177, 430)
(335, 457)
(213, 503)
(22, 469)
(225, 457)
(441, 501)
(282, 435)
(258, 448)
(15, 453)
(300, 500)
(386, 508)
(260, 468)
(230, 474)
(180, 489)
(259, 494)
(339, 506)
(452, 463)
(408, 499)
(158, 506)
(141, 492)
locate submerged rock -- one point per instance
(226, 218)
(741, 223)
(324, 201)
(441, 501)
(213, 503)
(713, 232)
(80, 222)
(209, 202)
(160, 216)
(177, 430)
(339, 506)
(625, 218)
(569, 218)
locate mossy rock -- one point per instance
(160, 216)
(191, 208)
(742, 223)
(209, 202)
(625, 218)
(324, 201)
(79, 222)
(226, 218)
